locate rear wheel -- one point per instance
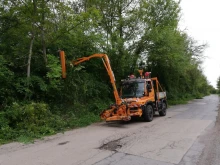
(148, 113)
(163, 111)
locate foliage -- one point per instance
(36, 101)
(31, 120)
(218, 85)
(27, 121)
(6, 80)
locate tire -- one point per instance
(163, 111)
(148, 113)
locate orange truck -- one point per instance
(140, 97)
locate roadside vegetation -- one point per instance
(35, 101)
(218, 86)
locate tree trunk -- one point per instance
(44, 47)
(32, 40)
(29, 57)
(43, 33)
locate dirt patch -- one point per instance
(63, 143)
(112, 145)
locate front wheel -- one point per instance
(148, 113)
(163, 111)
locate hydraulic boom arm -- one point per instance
(108, 68)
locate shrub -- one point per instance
(32, 120)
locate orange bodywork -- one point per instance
(63, 64)
(125, 108)
(131, 106)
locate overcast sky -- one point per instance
(201, 19)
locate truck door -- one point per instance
(150, 89)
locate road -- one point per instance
(188, 135)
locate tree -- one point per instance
(118, 28)
(218, 84)
(131, 32)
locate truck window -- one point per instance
(132, 89)
(149, 86)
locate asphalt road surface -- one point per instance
(188, 135)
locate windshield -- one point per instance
(132, 89)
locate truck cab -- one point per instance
(137, 88)
(141, 97)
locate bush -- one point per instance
(27, 121)
(31, 120)
(198, 95)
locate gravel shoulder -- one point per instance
(211, 152)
